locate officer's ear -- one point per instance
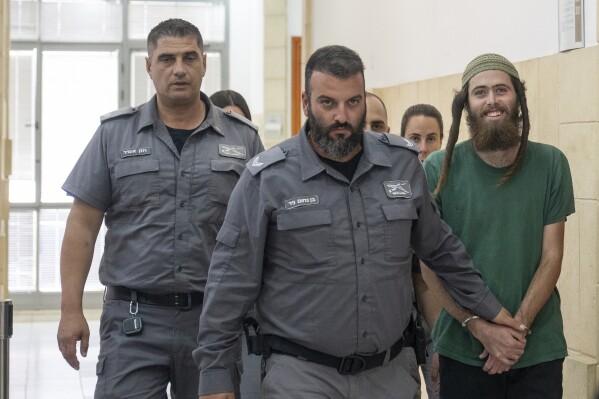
(149, 66)
(305, 102)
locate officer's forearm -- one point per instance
(83, 225)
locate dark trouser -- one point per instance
(461, 381)
(141, 366)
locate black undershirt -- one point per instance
(180, 136)
(347, 168)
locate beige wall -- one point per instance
(563, 98)
(5, 147)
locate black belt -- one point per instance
(351, 364)
(181, 301)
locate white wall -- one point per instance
(403, 41)
(294, 17)
(246, 52)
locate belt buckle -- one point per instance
(183, 301)
(351, 364)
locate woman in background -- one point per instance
(230, 100)
(423, 124)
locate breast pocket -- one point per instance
(136, 183)
(225, 174)
(304, 239)
(398, 227)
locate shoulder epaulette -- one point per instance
(117, 113)
(398, 141)
(265, 159)
(235, 115)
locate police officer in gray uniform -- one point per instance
(160, 175)
(318, 234)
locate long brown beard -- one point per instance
(497, 135)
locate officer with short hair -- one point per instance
(318, 234)
(160, 176)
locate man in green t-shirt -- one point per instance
(507, 199)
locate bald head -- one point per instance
(376, 114)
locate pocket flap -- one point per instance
(228, 236)
(299, 219)
(400, 211)
(221, 165)
(135, 167)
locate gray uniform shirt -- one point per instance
(163, 209)
(327, 261)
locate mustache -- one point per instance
(338, 125)
(494, 107)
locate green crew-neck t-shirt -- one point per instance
(502, 229)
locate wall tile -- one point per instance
(275, 63)
(579, 142)
(578, 85)
(529, 73)
(588, 240)
(275, 98)
(547, 113)
(275, 31)
(275, 7)
(569, 281)
(579, 377)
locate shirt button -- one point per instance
(183, 173)
(364, 334)
(362, 261)
(180, 236)
(180, 268)
(358, 224)
(182, 204)
(364, 298)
